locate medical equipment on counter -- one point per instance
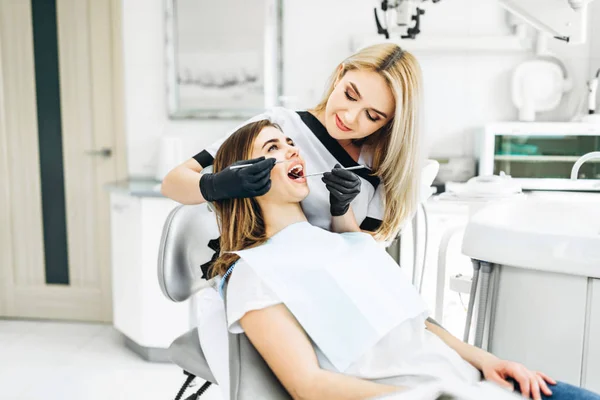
(538, 259)
(539, 155)
(476, 193)
(455, 169)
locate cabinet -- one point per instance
(149, 320)
(591, 368)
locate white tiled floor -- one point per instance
(64, 361)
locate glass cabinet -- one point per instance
(541, 155)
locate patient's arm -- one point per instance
(496, 370)
(284, 345)
(473, 355)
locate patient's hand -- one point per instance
(531, 382)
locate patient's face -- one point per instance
(285, 187)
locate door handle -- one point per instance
(103, 152)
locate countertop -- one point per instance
(139, 187)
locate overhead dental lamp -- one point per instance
(401, 17)
(562, 19)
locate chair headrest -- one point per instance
(183, 248)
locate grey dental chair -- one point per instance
(183, 248)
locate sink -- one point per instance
(558, 233)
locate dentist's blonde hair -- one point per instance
(395, 148)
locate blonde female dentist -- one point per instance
(369, 115)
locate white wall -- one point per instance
(145, 92)
(463, 91)
(594, 38)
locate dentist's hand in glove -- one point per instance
(343, 187)
(238, 183)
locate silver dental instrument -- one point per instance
(248, 165)
(321, 173)
(298, 176)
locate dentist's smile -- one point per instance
(341, 125)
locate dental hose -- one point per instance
(486, 270)
(476, 268)
(426, 220)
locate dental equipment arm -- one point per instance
(286, 348)
(565, 20)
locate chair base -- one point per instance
(188, 380)
(200, 391)
(152, 354)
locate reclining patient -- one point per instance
(331, 313)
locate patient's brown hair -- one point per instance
(240, 220)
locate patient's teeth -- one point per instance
(296, 170)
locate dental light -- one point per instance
(400, 17)
(563, 19)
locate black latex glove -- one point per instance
(238, 183)
(343, 187)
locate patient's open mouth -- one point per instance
(296, 172)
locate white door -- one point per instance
(61, 141)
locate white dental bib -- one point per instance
(344, 289)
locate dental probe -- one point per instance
(247, 165)
(321, 173)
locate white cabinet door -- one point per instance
(141, 311)
(540, 321)
(591, 368)
(126, 240)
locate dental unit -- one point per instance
(564, 20)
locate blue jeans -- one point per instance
(564, 391)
